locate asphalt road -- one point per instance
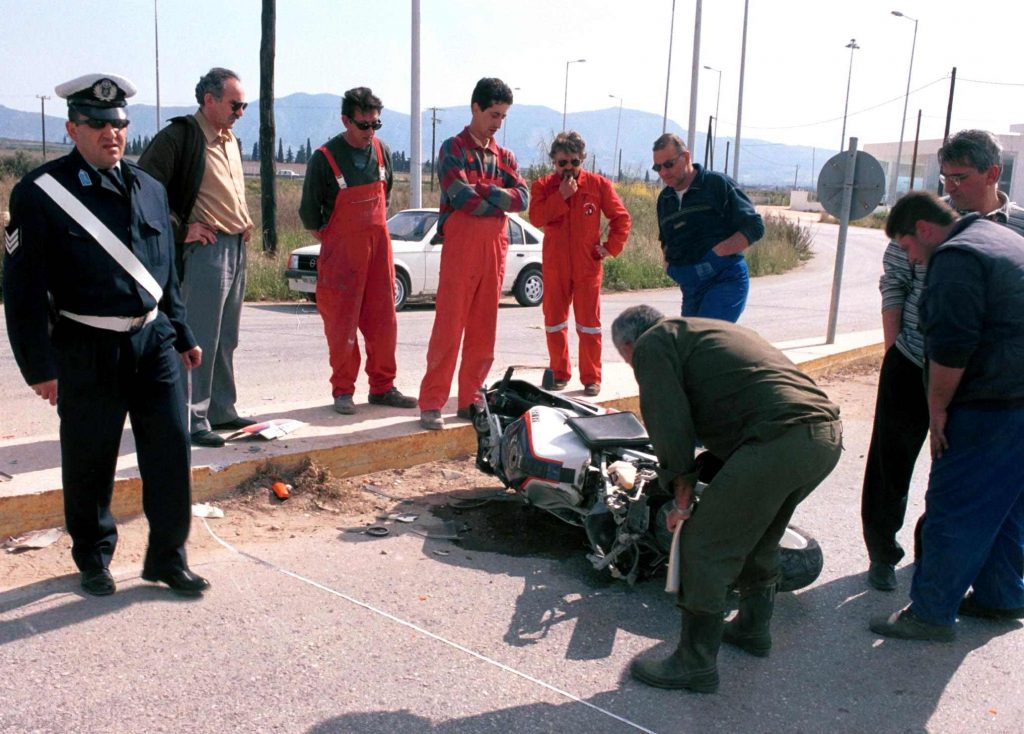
(344, 633)
(281, 362)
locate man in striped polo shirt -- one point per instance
(970, 166)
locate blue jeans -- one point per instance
(973, 531)
(714, 288)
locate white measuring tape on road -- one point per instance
(422, 631)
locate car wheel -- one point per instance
(800, 560)
(401, 290)
(529, 288)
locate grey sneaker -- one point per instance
(343, 404)
(592, 389)
(905, 625)
(392, 398)
(431, 420)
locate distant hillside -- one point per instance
(528, 131)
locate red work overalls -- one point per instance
(355, 283)
(468, 290)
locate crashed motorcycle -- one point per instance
(595, 469)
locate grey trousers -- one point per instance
(734, 534)
(213, 287)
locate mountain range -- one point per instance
(528, 131)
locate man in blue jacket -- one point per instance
(705, 222)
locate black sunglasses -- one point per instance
(375, 125)
(666, 165)
(100, 124)
(236, 106)
(565, 162)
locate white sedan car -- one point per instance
(418, 260)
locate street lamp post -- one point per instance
(718, 96)
(903, 120)
(615, 151)
(565, 103)
(42, 119)
(852, 45)
(504, 126)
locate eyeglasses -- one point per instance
(236, 106)
(95, 124)
(666, 165)
(364, 126)
(565, 162)
(953, 178)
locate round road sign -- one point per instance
(868, 184)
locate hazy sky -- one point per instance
(796, 69)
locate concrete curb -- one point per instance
(409, 446)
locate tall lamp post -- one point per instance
(852, 45)
(903, 120)
(718, 96)
(504, 126)
(616, 161)
(565, 103)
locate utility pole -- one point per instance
(668, 71)
(433, 141)
(268, 188)
(42, 117)
(691, 132)
(949, 115)
(913, 158)
(416, 138)
(156, 46)
(739, 103)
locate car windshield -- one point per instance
(411, 226)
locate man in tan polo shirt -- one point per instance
(198, 160)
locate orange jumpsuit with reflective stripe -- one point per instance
(355, 284)
(572, 269)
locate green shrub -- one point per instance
(784, 246)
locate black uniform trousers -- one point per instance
(104, 376)
(900, 427)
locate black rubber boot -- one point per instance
(750, 631)
(693, 665)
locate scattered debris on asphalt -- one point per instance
(203, 509)
(33, 541)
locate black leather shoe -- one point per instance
(207, 438)
(182, 582)
(98, 583)
(237, 423)
(882, 576)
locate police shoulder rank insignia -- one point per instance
(12, 240)
(83, 178)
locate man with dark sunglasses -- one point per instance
(97, 327)
(567, 204)
(344, 206)
(199, 160)
(705, 222)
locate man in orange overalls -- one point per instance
(480, 182)
(568, 204)
(344, 204)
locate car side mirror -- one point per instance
(437, 239)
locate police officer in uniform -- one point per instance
(98, 329)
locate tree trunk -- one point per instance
(268, 196)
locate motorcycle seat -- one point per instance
(610, 430)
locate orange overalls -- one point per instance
(571, 268)
(468, 291)
(355, 283)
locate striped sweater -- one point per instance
(901, 283)
(479, 181)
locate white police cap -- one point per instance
(99, 96)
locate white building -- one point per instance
(926, 170)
